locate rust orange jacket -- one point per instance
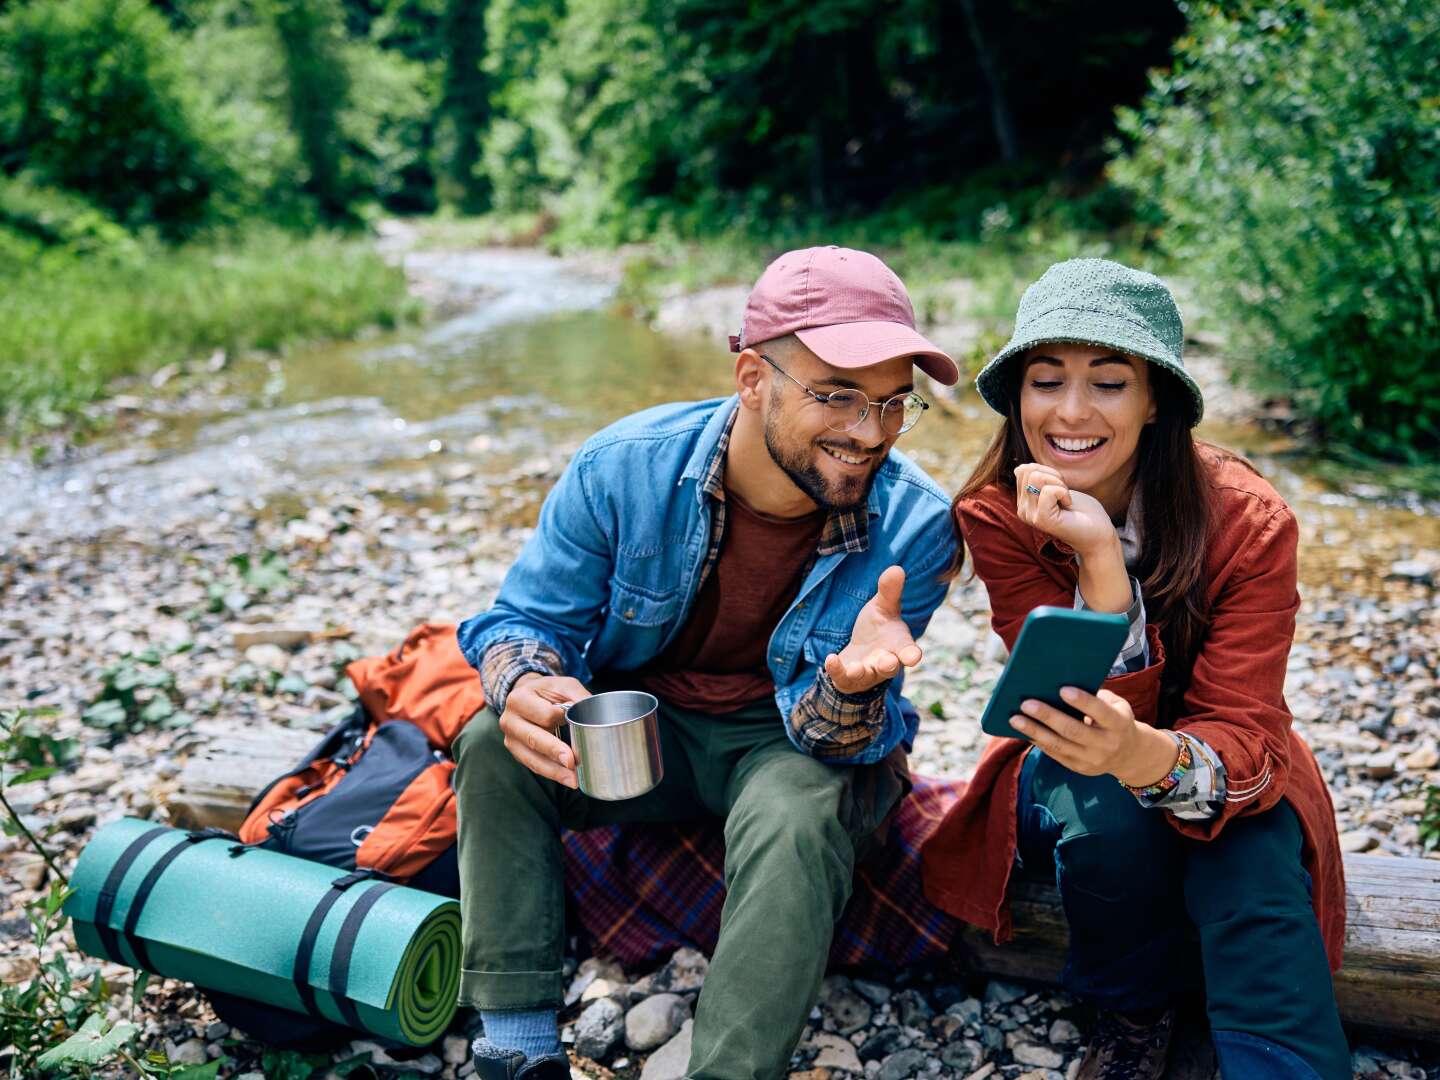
(1235, 701)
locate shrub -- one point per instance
(1293, 154)
(93, 98)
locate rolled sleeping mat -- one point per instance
(311, 938)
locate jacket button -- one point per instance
(629, 613)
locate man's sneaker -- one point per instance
(1132, 1047)
(492, 1063)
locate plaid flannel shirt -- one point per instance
(827, 722)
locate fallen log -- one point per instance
(1390, 981)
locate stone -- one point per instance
(268, 657)
(850, 1011)
(655, 1021)
(836, 1053)
(968, 1010)
(425, 1065)
(456, 1049)
(218, 1030)
(1424, 757)
(1063, 1032)
(603, 988)
(28, 869)
(286, 637)
(1044, 1057)
(1002, 993)
(672, 1059)
(76, 819)
(1381, 766)
(599, 1029)
(946, 1026)
(902, 1065)
(189, 1052)
(912, 1009)
(683, 973)
(1417, 570)
(1355, 841)
(590, 969)
(963, 1055)
(873, 992)
(883, 1042)
(983, 1072)
(810, 1074)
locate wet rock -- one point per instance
(655, 1020)
(672, 1059)
(599, 1029)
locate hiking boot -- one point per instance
(492, 1063)
(1128, 1047)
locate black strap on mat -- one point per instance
(345, 947)
(147, 886)
(305, 952)
(105, 902)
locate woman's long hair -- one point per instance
(1176, 512)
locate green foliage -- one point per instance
(1430, 819)
(464, 108)
(312, 41)
(68, 326)
(93, 98)
(1293, 156)
(137, 692)
(26, 741)
(92, 1044)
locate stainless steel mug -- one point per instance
(616, 738)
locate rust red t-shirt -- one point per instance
(716, 663)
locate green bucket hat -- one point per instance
(1095, 302)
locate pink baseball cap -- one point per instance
(846, 306)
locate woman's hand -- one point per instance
(1079, 520)
(1106, 739)
(1071, 516)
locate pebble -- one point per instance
(900, 1066)
(268, 657)
(672, 1059)
(1002, 993)
(836, 1052)
(1063, 1032)
(600, 1029)
(655, 1020)
(189, 1052)
(1044, 1057)
(1358, 840)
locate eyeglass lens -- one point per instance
(845, 410)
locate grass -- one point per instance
(70, 325)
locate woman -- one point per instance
(1182, 806)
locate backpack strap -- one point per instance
(305, 952)
(105, 903)
(345, 946)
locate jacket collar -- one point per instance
(846, 531)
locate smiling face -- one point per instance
(1082, 409)
(835, 469)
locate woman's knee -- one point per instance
(1252, 865)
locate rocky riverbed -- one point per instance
(348, 494)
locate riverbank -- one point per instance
(74, 326)
(367, 487)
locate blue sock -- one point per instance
(534, 1032)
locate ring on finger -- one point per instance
(1032, 489)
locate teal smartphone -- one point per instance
(1057, 647)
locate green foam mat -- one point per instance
(236, 923)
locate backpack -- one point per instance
(374, 796)
(376, 792)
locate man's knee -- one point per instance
(792, 812)
(480, 749)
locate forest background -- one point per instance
(178, 176)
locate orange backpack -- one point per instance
(376, 793)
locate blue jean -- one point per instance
(1153, 914)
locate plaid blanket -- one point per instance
(643, 891)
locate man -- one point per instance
(763, 565)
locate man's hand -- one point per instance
(880, 644)
(533, 713)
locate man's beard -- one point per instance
(800, 467)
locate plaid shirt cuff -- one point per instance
(830, 723)
(1135, 656)
(1201, 791)
(506, 661)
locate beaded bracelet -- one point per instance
(1183, 764)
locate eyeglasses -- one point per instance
(846, 410)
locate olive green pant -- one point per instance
(793, 829)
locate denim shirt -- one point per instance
(609, 576)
